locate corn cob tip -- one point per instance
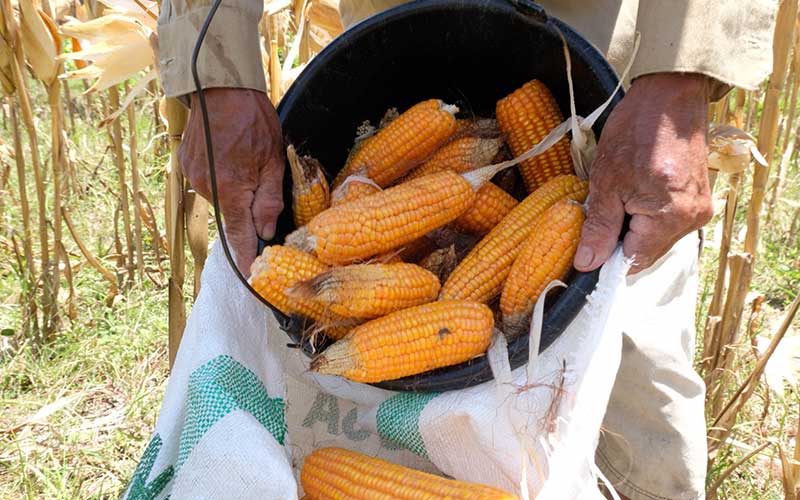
(259, 266)
(301, 239)
(388, 117)
(515, 325)
(335, 360)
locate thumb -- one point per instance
(268, 201)
(600, 231)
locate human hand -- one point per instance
(651, 164)
(248, 154)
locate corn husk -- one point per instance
(40, 40)
(730, 149)
(119, 48)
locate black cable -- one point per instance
(282, 318)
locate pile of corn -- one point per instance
(413, 256)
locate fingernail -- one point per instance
(584, 256)
(268, 231)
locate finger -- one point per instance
(600, 231)
(268, 201)
(646, 241)
(240, 230)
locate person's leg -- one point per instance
(653, 443)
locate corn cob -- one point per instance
(491, 205)
(353, 188)
(338, 474)
(310, 194)
(410, 341)
(545, 256)
(460, 155)
(370, 290)
(481, 274)
(386, 220)
(277, 269)
(403, 144)
(526, 116)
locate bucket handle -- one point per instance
(531, 9)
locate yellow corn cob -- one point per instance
(338, 474)
(526, 116)
(545, 256)
(460, 155)
(279, 268)
(370, 290)
(386, 220)
(310, 194)
(491, 205)
(410, 341)
(481, 274)
(403, 144)
(353, 188)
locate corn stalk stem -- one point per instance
(27, 244)
(176, 118)
(767, 136)
(135, 185)
(57, 160)
(790, 133)
(17, 63)
(274, 62)
(711, 341)
(119, 157)
(724, 353)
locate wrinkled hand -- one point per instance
(651, 164)
(248, 154)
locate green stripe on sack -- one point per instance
(398, 420)
(219, 387)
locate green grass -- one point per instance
(106, 369)
(107, 365)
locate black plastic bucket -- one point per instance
(466, 52)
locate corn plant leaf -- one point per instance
(134, 92)
(118, 47)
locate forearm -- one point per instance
(728, 40)
(230, 56)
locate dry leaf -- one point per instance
(40, 40)
(118, 47)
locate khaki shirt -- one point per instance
(729, 40)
